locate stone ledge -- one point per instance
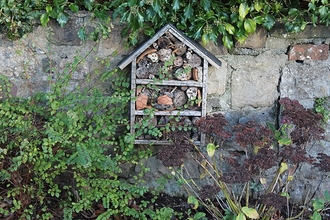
(310, 31)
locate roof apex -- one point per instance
(197, 48)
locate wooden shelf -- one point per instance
(176, 113)
(190, 83)
(156, 142)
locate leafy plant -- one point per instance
(320, 107)
(234, 180)
(17, 17)
(320, 205)
(209, 20)
(61, 152)
(206, 20)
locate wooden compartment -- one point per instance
(157, 128)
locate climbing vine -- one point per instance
(206, 20)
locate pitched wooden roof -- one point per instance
(197, 48)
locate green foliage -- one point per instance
(17, 17)
(55, 151)
(206, 20)
(321, 106)
(5, 87)
(232, 180)
(320, 205)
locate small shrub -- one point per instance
(54, 153)
(239, 186)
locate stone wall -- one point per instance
(254, 75)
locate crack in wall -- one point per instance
(277, 104)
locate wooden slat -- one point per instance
(156, 142)
(169, 82)
(197, 48)
(178, 113)
(204, 95)
(133, 88)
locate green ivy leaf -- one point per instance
(230, 28)
(205, 38)
(259, 19)
(227, 41)
(241, 35)
(250, 26)
(62, 19)
(243, 10)
(250, 212)
(140, 18)
(234, 18)
(293, 12)
(206, 4)
(198, 33)
(323, 10)
(188, 11)
(73, 7)
(102, 15)
(44, 19)
(314, 19)
(176, 5)
(156, 5)
(49, 8)
(82, 34)
(149, 31)
(269, 21)
(88, 4)
(258, 6)
(303, 25)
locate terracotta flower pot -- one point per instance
(164, 100)
(141, 102)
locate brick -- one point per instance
(309, 52)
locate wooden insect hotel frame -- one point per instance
(168, 78)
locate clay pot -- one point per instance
(164, 100)
(141, 102)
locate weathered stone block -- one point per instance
(305, 82)
(278, 44)
(255, 80)
(309, 52)
(216, 83)
(216, 48)
(255, 40)
(320, 31)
